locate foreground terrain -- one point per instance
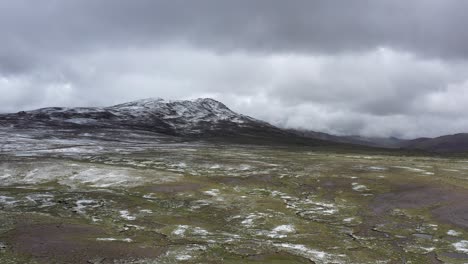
(121, 196)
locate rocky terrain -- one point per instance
(207, 118)
(201, 117)
(142, 183)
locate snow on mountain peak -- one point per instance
(147, 102)
(201, 108)
(181, 115)
(177, 117)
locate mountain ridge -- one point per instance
(194, 118)
(206, 117)
(447, 143)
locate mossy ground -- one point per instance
(210, 203)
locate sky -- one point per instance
(362, 67)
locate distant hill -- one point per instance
(449, 143)
(356, 140)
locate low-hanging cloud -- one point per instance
(376, 68)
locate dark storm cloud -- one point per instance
(429, 27)
(368, 67)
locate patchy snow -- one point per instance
(200, 231)
(361, 157)
(453, 233)
(212, 192)
(181, 230)
(101, 178)
(461, 246)
(128, 240)
(185, 253)
(81, 205)
(281, 231)
(251, 218)
(410, 168)
(42, 200)
(428, 249)
(180, 114)
(308, 206)
(126, 215)
(452, 170)
(81, 121)
(359, 187)
(5, 176)
(312, 254)
(74, 175)
(376, 168)
(7, 200)
(183, 257)
(284, 229)
(244, 167)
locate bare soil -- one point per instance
(448, 204)
(73, 243)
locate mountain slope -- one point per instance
(448, 143)
(171, 117)
(198, 118)
(206, 118)
(356, 140)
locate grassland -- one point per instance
(153, 200)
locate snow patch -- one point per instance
(359, 187)
(249, 220)
(128, 240)
(180, 230)
(42, 200)
(280, 231)
(312, 254)
(7, 200)
(102, 178)
(461, 246)
(453, 233)
(376, 168)
(81, 205)
(126, 215)
(212, 192)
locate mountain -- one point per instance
(384, 142)
(448, 143)
(181, 117)
(199, 118)
(380, 142)
(206, 118)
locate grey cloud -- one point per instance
(432, 27)
(337, 94)
(369, 67)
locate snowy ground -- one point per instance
(201, 202)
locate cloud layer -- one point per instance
(376, 68)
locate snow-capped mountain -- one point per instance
(198, 117)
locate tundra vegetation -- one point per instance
(121, 196)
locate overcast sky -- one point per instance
(368, 67)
